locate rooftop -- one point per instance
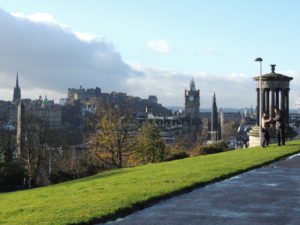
(274, 76)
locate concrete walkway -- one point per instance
(269, 195)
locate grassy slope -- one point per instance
(106, 193)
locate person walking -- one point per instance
(279, 127)
(265, 127)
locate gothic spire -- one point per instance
(214, 119)
(17, 81)
(214, 104)
(17, 91)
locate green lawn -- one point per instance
(121, 190)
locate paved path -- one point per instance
(269, 195)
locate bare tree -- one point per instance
(34, 152)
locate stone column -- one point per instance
(282, 101)
(267, 108)
(287, 108)
(277, 99)
(272, 103)
(263, 100)
(257, 107)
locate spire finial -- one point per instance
(273, 68)
(192, 85)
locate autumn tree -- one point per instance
(150, 147)
(113, 139)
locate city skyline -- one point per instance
(53, 49)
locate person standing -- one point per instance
(265, 126)
(279, 127)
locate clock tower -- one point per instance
(192, 101)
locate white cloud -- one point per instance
(86, 36)
(46, 18)
(232, 90)
(36, 17)
(160, 46)
(50, 56)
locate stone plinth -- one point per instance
(254, 137)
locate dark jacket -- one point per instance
(279, 121)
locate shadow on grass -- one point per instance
(102, 175)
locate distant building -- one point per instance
(192, 121)
(192, 101)
(152, 99)
(84, 102)
(83, 94)
(172, 126)
(44, 109)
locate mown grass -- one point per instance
(120, 191)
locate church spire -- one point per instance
(17, 91)
(17, 81)
(214, 120)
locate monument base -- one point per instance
(254, 135)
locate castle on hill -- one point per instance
(82, 103)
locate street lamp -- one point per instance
(260, 100)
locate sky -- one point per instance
(148, 47)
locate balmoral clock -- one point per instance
(191, 98)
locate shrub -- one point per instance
(61, 176)
(177, 155)
(12, 173)
(211, 149)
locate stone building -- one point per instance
(88, 100)
(192, 101)
(170, 127)
(83, 94)
(44, 109)
(192, 121)
(152, 99)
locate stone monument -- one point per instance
(275, 94)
